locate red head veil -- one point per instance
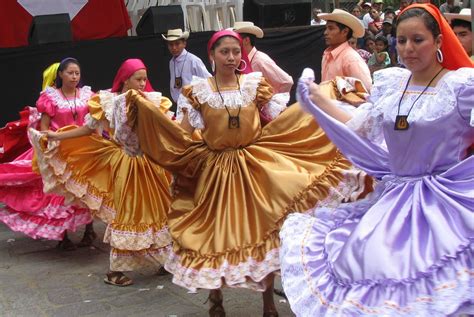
(127, 69)
(216, 36)
(454, 55)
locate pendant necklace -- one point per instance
(401, 121)
(234, 121)
(74, 113)
(178, 80)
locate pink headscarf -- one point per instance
(126, 70)
(216, 36)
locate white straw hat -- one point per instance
(344, 17)
(248, 27)
(465, 15)
(175, 34)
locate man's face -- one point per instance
(390, 15)
(464, 36)
(315, 13)
(377, 6)
(387, 28)
(353, 42)
(176, 47)
(374, 14)
(333, 35)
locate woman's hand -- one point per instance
(141, 93)
(326, 104)
(315, 93)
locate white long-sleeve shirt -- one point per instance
(187, 65)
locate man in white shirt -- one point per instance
(376, 5)
(183, 65)
(316, 19)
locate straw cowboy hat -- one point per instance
(175, 34)
(248, 27)
(465, 15)
(347, 19)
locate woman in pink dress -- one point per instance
(24, 207)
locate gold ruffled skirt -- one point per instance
(228, 206)
(131, 194)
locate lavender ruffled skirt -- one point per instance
(406, 250)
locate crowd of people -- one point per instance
(378, 44)
(361, 194)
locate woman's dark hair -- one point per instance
(382, 39)
(62, 66)
(427, 18)
(368, 38)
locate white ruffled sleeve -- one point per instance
(461, 83)
(184, 105)
(123, 132)
(367, 119)
(276, 105)
(91, 123)
(270, 105)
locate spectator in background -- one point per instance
(369, 44)
(376, 25)
(386, 30)
(357, 11)
(280, 80)
(366, 6)
(403, 5)
(380, 59)
(392, 44)
(389, 12)
(316, 19)
(461, 24)
(363, 53)
(339, 59)
(183, 65)
(377, 5)
(447, 7)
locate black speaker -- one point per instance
(277, 13)
(51, 28)
(160, 19)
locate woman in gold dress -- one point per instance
(108, 173)
(235, 186)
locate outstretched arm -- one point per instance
(362, 152)
(326, 104)
(45, 122)
(74, 133)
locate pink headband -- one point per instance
(216, 36)
(126, 70)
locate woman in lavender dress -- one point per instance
(407, 249)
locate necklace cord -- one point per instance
(182, 67)
(423, 91)
(222, 98)
(73, 113)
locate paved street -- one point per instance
(38, 280)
